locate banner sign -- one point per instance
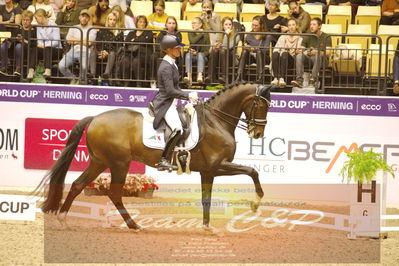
(17, 207)
(284, 103)
(45, 139)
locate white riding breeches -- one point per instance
(172, 118)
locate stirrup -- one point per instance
(165, 165)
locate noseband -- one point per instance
(250, 122)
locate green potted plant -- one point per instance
(363, 166)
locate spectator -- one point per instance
(157, 20)
(301, 16)
(316, 53)
(121, 3)
(396, 71)
(106, 46)
(390, 12)
(21, 39)
(222, 48)
(57, 5)
(138, 48)
(123, 21)
(255, 49)
(99, 13)
(42, 4)
(48, 40)
(273, 21)
(198, 51)
(79, 46)
(285, 52)
(10, 13)
(68, 16)
(211, 20)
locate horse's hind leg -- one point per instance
(118, 177)
(78, 185)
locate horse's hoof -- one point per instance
(254, 206)
(212, 230)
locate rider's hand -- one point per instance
(193, 96)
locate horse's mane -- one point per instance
(227, 88)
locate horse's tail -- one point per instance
(56, 176)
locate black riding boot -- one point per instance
(164, 163)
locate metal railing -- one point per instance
(367, 69)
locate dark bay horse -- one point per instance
(114, 139)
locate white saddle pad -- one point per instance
(155, 139)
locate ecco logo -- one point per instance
(101, 97)
(374, 107)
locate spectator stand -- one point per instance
(7, 36)
(144, 8)
(123, 74)
(185, 30)
(355, 68)
(249, 11)
(390, 51)
(369, 15)
(192, 11)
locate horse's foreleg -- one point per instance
(78, 185)
(206, 189)
(228, 168)
(118, 177)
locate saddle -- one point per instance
(185, 119)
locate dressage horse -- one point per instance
(114, 139)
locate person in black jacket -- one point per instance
(106, 46)
(165, 100)
(21, 41)
(138, 48)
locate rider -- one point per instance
(165, 100)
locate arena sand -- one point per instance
(87, 241)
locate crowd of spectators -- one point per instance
(126, 49)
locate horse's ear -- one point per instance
(264, 90)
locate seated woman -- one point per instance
(273, 21)
(48, 42)
(157, 20)
(106, 46)
(223, 47)
(255, 50)
(198, 51)
(138, 48)
(25, 39)
(99, 13)
(68, 16)
(45, 5)
(123, 20)
(287, 47)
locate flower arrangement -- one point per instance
(362, 166)
(133, 183)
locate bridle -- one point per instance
(250, 122)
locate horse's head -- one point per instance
(256, 111)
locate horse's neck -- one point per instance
(232, 102)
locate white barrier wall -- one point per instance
(304, 142)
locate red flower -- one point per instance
(155, 186)
(145, 187)
(91, 185)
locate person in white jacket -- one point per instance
(45, 5)
(284, 53)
